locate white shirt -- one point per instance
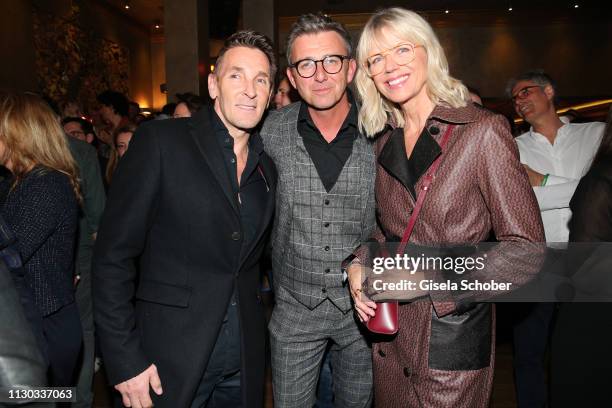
(566, 161)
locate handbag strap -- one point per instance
(424, 188)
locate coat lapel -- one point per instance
(202, 132)
(408, 172)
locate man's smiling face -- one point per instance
(241, 88)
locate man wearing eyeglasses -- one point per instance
(79, 128)
(325, 209)
(555, 154)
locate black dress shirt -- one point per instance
(328, 158)
(253, 187)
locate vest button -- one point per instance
(406, 372)
(327, 270)
(326, 225)
(236, 235)
(324, 290)
(434, 130)
(326, 202)
(381, 353)
(326, 248)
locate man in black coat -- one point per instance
(191, 204)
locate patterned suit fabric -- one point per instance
(314, 231)
(303, 245)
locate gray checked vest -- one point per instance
(316, 230)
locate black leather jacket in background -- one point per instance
(21, 360)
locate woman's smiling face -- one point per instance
(399, 83)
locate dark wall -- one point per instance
(578, 56)
(113, 26)
(486, 48)
(16, 42)
(17, 71)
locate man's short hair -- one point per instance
(314, 24)
(193, 102)
(86, 126)
(536, 76)
(249, 39)
(116, 100)
(168, 109)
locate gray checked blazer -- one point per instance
(315, 230)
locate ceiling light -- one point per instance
(446, 11)
(509, 8)
(575, 5)
(126, 5)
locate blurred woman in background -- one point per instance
(40, 203)
(187, 105)
(285, 93)
(121, 142)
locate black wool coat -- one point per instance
(171, 211)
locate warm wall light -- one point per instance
(157, 25)
(509, 8)
(446, 11)
(126, 5)
(575, 5)
(212, 68)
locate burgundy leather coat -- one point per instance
(443, 355)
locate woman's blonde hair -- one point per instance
(32, 136)
(376, 111)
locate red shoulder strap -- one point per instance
(424, 188)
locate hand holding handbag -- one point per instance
(386, 319)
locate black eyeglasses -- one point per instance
(523, 93)
(76, 133)
(307, 67)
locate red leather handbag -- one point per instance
(386, 319)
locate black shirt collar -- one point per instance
(227, 141)
(351, 119)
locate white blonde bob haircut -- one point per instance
(376, 111)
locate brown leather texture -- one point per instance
(479, 187)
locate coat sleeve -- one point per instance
(20, 357)
(94, 197)
(39, 205)
(513, 212)
(129, 214)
